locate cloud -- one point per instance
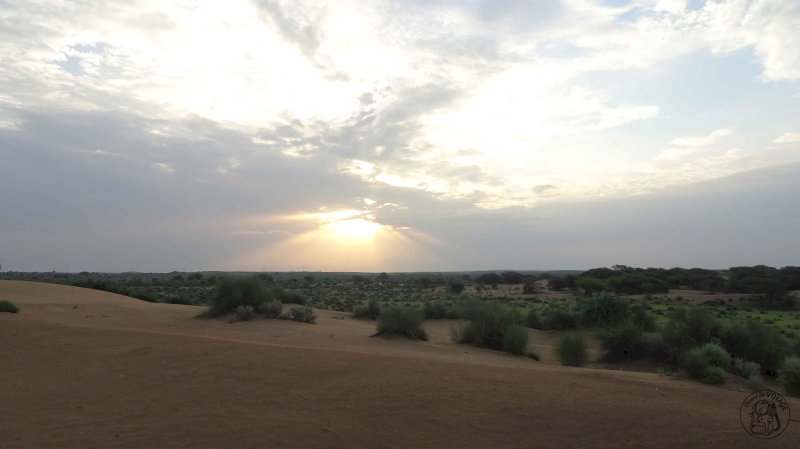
(703, 141)
(788, 138)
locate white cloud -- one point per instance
(703, 141)
(788, 138)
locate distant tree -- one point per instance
(489, 279)
(383, 278)
(456, 286)
(589, 285)
(511, 277)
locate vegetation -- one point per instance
(490, 325)
(705, 363)
(624, 342)
(401, 321)
(790, 375)
(369, 311)
(302, 314)
(271, 309)
(242, 313)
(8, 306)
(572, 349)
(235, 291)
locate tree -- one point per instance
(590, 286)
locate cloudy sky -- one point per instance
(161, 135)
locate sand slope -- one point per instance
(118, 372)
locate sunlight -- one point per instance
(353, 229)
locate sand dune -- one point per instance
(87, 369)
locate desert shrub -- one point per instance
(757, 342)
(558, 318)
(487, 325)
(242, 313)
(689, 328)
(623, 342)
(572, 349)
(642, 317)
(531, 354)
(401, 321)
(434, 310)
(234, 291)
(605, 310)
(271, 309)
(532, 319)
(750, 371)
(288, 296)
(8, 306)
(515, 340)
(789, 375)
(715, 375)
(302, 314)
(699, 360)
(369, 311)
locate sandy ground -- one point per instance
(87, 369)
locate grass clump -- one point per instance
(572, 349)
(750, 371)
(8, 306)
(789, 375)
(705, 361)
(271, 309)
(490, 325)
(302, 314)
(242, 313)
(401, 321)
(370, 311)
(623, 342)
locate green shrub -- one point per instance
(515, 340)
(300, 313)
(242, 313)
(715, 375)
(558, 318)
(531, 354)
(653, 344)
(532, 319)
(369, 311)
(271, 309)
(572, 349)
(401, 321)
(757, 342)
(605, 310)
(8, 306)
(234, 291)
(487, 324)
(789, 374)
(623, 342)
(689, 328)
(750, 371)
(434, 310)
(288, 296)
(699, 360)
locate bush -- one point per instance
(302, 314)
(572, 349)
(605, 310)
(750, 371)
(492, 326)
(242, 313)
(715, 375)
(687, 329)
(271, 309)
(515, 340)
(789, 375)
(757, 342)
(401, 321)
(434, 310)
(533, 320)
(557, 318)
(370, 311)
(623, 342)
(8, 306)
(233, 291)
(699, 360)
(531, 354)
(288, 296)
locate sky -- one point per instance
(436, 135)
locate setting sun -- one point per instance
(353, 229)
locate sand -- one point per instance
(87, 369)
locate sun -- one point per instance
(353, 229)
